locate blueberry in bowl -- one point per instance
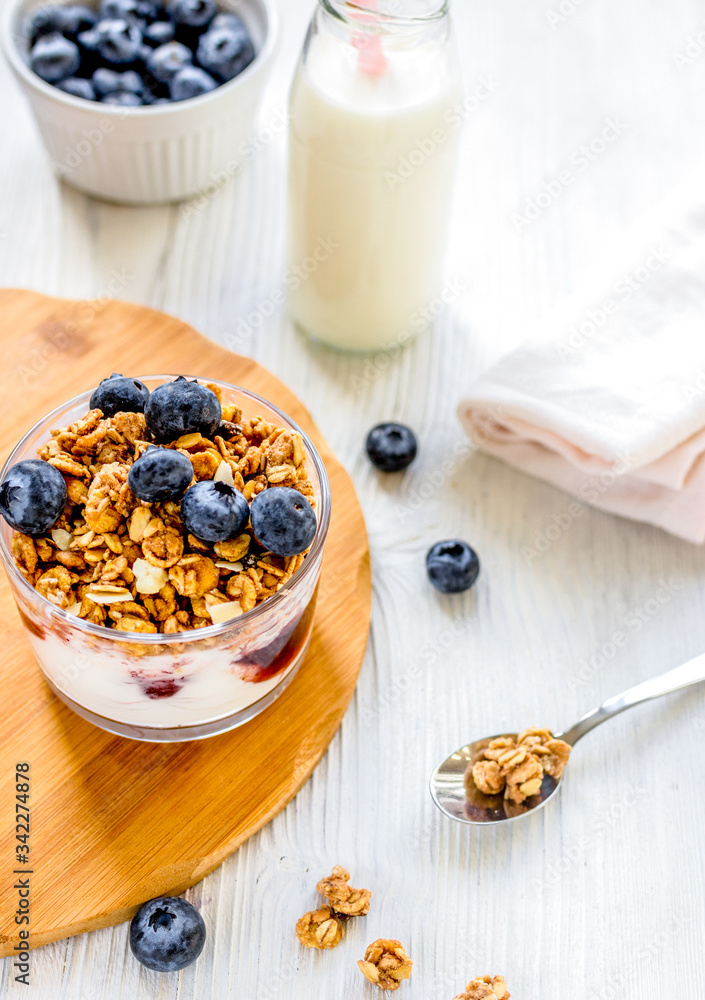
(153, 42)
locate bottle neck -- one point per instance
(387, 16)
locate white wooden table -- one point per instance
(602, 895)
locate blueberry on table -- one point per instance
(452, 566)
(391, 447)
(167, 934)
(32, 496)
(283, 521)
(119, 41)
(160, 474)
(119, 394)
(224, 53)
(182, 407)
(166, 61)
(158, 33)
(192, 13)
(214, 511)
(78, 87)
(54, 58)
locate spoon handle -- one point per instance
(692, 672)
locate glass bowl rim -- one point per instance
(208, 631)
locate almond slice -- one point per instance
(149, 579)
(61, 538)
(224, 474)
(141, 516)
(234, 567)
(108, 596)
(224, 612)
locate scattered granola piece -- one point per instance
(486, 988)
(386, 964)
(319, 929)
(342, 898)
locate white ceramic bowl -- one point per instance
(159, 153)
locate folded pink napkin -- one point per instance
(609, 402)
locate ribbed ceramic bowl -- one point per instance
(154, 153)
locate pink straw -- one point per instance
(372, 59)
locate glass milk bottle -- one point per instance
(373, 149)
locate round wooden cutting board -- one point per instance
(115, 822)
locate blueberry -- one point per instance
(214, 511)
(122, 98)
(69, 21)
(78, 88)
(182, 407)
(54, 58)
(160, 474)
(131, 82)
(391, 447)
(283, 520)
(190, 82)
(32, 496)
(119, 394)
(159, 33)
(119, 42)
(452, 566)
(150, 10)
(230, 21)
(44, 21)
(224, 53)
(89, 41)
(107, 81)
(166, 61)
(167, 934)
(121, 10)
(192, 13)
(76, 18)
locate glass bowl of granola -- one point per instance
(152, 621)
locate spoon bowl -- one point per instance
(457, 795)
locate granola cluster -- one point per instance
(324, 928)
(117, 561)
(386, 964)
(341, 896)
(319, 929)
(517, 767)
(485, 988)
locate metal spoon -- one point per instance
(461, 800)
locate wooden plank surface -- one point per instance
(115, 822)
(601, 897)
